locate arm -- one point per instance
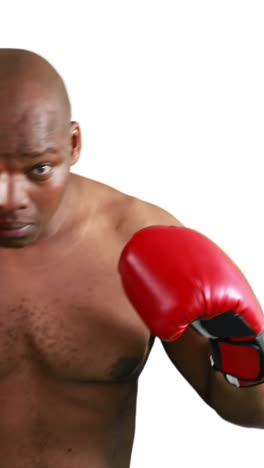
(190, 353)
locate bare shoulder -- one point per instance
(134, 214)
(124, 213)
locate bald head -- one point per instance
(22, 71)
(34, 103)
(38, 142)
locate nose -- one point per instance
(12, 193)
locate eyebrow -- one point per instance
(36, 154)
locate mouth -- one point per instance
(14, 229)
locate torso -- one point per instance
(71, 351)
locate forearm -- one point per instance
(243, 406)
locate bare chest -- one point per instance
(70, 321)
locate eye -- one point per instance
(41, 170)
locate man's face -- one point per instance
(35, 157)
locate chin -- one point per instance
(15, 244)
(18, 242)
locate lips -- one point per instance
(10, 226)
(14, 230)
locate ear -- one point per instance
(76, 142)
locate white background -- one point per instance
(170, 98)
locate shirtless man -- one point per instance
(71, 344)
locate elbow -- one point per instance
(239, 419)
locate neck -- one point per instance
(66, 214)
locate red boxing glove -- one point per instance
(175, 277)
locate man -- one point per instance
(72, 344)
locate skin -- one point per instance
(71, 345)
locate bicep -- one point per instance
(190, 354)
